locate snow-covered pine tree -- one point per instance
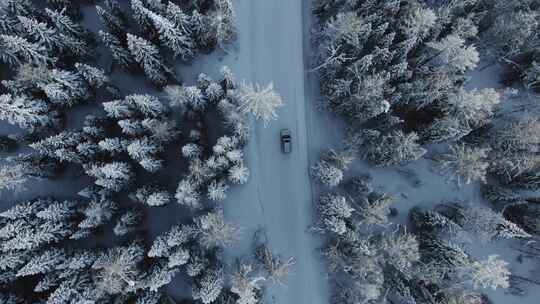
(98, 212)
(29, 114)
(223, 22)
(186, 97)
(213, 231)
(160, 129)
(214, 92)
(58, 210)
(399, 249)
(178, 257)
(158, 276)
(54, 41)
(510, 29)
(276, 267)
(43, 263)
(202, 30)
(373, 209)
(217, 190)
(114, 146)
(120, 54)
(192, 151)
(175, 13)
(148, 57)
(114, 176)
(490, 273)
(41, 33)
(17, 170)
(172, 36)
(119, 269)
(260, 102)
(147, 105)
(464, 164)
(432, 224)
(64, 146)
(13, 178)
(329, 169)
(187, 194)
(419, 22)
(64, 24)
(37, 223)
(334, 211)
(228, 80)
(145, 151)
(111, 16)
(238, 174)
(246, 284)
(388, 149)
(169, 243)
(209, 286)
(141, 18)
(135, 106)
(17, 7)
(15, 50)
(520, 135)
(151, 195)
(62, 87)
(452, 52)
(482, 222)
(472, 109)
(95, 77)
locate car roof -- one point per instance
(285, 132)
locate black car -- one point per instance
(286, 145)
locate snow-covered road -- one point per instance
(273, 46)
(278, 197)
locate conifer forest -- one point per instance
(269, 151)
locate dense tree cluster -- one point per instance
(16, 171)
(134, 133)
(520, 209)
(397, 71)
(197, 248)
(44, 243)
(403, 62)
(509, 35)
(503, 157)
(329, 170)
(164, 31)
(45, 51)
(369, 264)
(441, 252)
(211, 167)
(39, 253)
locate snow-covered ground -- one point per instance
(278, 197)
